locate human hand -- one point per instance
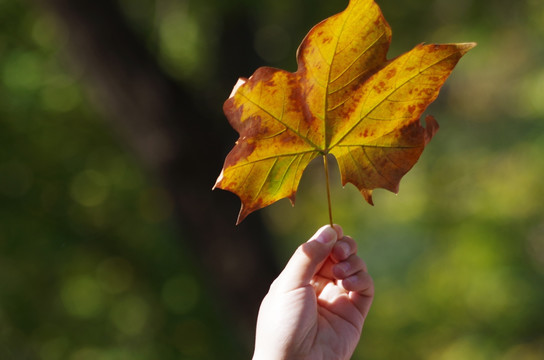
(317, 306)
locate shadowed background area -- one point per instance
(113, 246)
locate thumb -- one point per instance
(308, 258)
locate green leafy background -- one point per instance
(91, 269)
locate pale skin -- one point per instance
(317, 306)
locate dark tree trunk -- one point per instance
(178, 142)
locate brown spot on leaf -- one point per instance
(289, 138)
(380, 87)
(252, 127)
(308, 117)
(295, 97)
(435, 47)
(392, 72)
(234, 114)
(241, 151)
(326, 40)
(292, 81)
(425, 92)
(270, 83)
(412, 134)
(262, 75)
(431, 128)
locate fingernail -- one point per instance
(327, 235)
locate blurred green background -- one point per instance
(90, 267)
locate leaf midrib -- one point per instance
(326, 105)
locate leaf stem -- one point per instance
(326, 165)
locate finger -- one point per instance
(360, 282)
(348, 267)
(326, 269)
(361, 290)
(307, 259)
(361, 302)
(343, 248)
(339, 231)
(319, 283)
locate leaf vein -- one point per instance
(281, 121)
(253, 162)
(354, 61)
(362, 117)
(375, 167)
(265, 180)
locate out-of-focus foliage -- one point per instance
(89, 268)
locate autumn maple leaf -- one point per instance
(345, 99)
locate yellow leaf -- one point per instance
(345, 99)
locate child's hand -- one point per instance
(317, 306)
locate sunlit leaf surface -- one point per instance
(345, 99)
